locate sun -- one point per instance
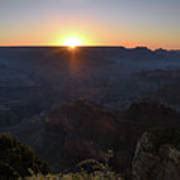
(73, 42)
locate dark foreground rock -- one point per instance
(157, 156)
(81, 130)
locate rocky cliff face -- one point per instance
(157, 156)
(81, 130)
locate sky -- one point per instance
(130, 23)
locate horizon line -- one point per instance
(85, 46)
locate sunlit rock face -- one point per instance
(157, 156)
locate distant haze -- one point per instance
(151, 23)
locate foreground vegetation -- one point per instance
(18, 161)
(78, 176)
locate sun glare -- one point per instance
(73, 42)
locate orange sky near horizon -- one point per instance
(116, 23)
(92, 38)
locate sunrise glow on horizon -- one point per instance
(73, 41)
(111, 23)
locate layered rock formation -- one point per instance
(157, 156)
